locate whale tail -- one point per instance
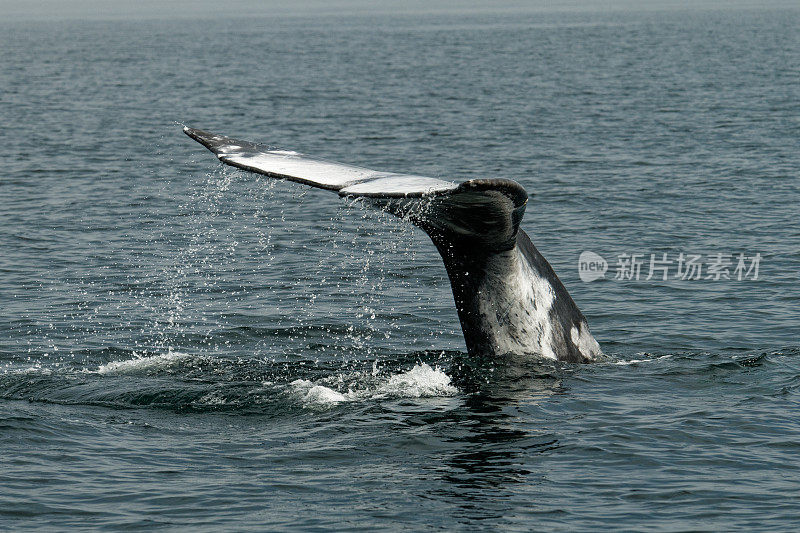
(474, 225)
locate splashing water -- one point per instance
(419, 382)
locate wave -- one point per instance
(183, 381)
(144, 363)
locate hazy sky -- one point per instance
(115, 9)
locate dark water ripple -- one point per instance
(188, 347)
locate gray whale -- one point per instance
(509, 299)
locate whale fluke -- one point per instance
(507, 296)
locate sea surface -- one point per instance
(187, 346)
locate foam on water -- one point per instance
(644, 360)
(140, 364)
(319, 394)
(419, 382)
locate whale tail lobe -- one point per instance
(484, 212)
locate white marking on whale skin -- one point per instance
(515, 306)
(584, 341)
(321, 172)
(400, 185)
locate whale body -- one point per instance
(509, 299)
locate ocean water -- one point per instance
(186, 346)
